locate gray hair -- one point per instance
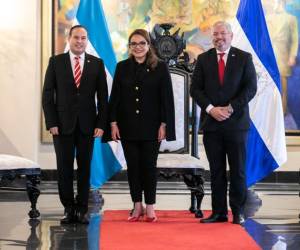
(223, 23)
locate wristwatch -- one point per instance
(230, 109)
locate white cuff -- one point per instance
(209, 108)
(113, 124)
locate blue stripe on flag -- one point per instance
(104, 164)
(90, 14)
(258, 155)
(250, 15)
(251, 18)
(94, 229)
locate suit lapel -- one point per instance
(131, 69)
(86, 68)
(69, 67)
(142, 74)
(215, 67)
(230, 65)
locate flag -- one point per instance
(266, 145)
(93, 231)
(107, 158)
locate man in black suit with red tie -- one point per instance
(72, 82)
(223, 83)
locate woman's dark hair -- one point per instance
(151, 57)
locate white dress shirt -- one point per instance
(210, 106)
(81, 61)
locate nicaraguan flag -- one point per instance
(107, 158)
(266, 148)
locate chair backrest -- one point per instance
(184, 115)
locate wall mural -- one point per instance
(194, 18)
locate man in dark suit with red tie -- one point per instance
(74, 118)
(223, 83)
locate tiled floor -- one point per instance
(273, 225)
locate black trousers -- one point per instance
(141, 158)
(218, 145)
(67, 147)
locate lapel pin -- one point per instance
(233, 55)
(88, 61)
(147, 70)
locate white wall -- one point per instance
(19, 76)
(20, 82)
(20, 86)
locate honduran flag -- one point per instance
(266, 146)
(107, 158)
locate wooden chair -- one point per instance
(179, 159)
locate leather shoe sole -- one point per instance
(67, 220)
(82, 218)
(215, 219)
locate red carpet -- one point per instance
(174, 230)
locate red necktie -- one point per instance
(77, 71)
(221, 65)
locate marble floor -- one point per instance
(273, 223)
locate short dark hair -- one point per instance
(76, 27)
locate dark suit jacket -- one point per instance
(239, 87)
(141, 100)
(64, 104)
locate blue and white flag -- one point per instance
(107, 158)
(266, 148)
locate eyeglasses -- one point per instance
(142, 44)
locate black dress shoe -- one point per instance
(82, 218)
(238, 219)
(68, 218)
(215, 218)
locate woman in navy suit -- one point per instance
(141, 116)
